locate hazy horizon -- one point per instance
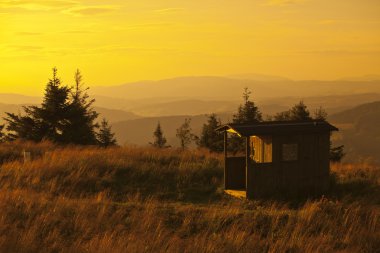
(238, 76)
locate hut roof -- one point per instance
(278, 127)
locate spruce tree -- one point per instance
(298, 112)
(51, 117)
(105, 136)
(211, 139)
(248, 113)
(21, 127)
(159, 139)
(320, 114)
(45, 122)
(80, 127)
(65, 116)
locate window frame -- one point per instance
(294, 144)
(266, 146)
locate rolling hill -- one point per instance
(188, 106)
(111, 115)
(359, 131)
(15, 99)
(140, 131)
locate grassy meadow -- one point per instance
(131, 199)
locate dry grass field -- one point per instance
(130, 199)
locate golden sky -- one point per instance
(118, 41)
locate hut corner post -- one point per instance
(225, 161)
(247, 167)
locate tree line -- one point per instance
(247, 113)
(66, 116)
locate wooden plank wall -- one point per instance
(309, 172)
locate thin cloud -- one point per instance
(146, 26)
(283, 2)
(90, 10)
(329, 22)
(25, 48)
(36, 5)
(337, 52)
(123, 48)
(28, 33)
(168, 10)
(77, 32)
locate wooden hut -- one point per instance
(281, 157)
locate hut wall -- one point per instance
(299, 163)
(261, 180)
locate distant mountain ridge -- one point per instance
(17, 99)
(227, 88)
(365, 78)
(258, 77)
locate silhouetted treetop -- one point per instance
(65, 116)
(159, 139)
(105, 135)
(247, 112)
(210, 138)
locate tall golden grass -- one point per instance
(78, 199)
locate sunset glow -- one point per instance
(119, 41)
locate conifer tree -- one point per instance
(2, 135)
(320, 114)
(21, 127)
(65, 116)
(248, 113)
(80, 128)
(51, 117)
(159, 139)
(211, 139)
(298, 112)
(336, 153)
(45, 122)
(105, 136)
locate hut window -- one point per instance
(290, 152)
(261, 149)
